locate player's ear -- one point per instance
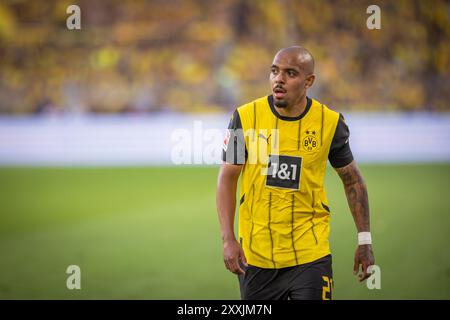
(309, 80)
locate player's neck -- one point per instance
(294, 110)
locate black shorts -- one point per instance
(309, 281)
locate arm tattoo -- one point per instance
(356, 192)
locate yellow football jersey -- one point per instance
(284, 214)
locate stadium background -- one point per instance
(86, 124)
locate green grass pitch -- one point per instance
(153, 233)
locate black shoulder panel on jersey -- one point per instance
(234, 150)
(235, 121)
(340, 153)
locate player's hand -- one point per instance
(233, 255)
(363, 257)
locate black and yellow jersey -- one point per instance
(284, 212)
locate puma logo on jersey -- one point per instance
(264, 137)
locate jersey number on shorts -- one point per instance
(327, 289)
(284, 172)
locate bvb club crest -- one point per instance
(310, 141)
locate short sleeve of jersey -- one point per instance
(340, 153)
(234, 151)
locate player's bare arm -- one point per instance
(226, 206)
(358, 202)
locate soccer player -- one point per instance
(279, 145)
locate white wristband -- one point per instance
(364, 238)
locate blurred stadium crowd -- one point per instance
(185, 55)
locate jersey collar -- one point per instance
(275, 112)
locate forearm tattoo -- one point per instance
(356, 192)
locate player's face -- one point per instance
(288, 80)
